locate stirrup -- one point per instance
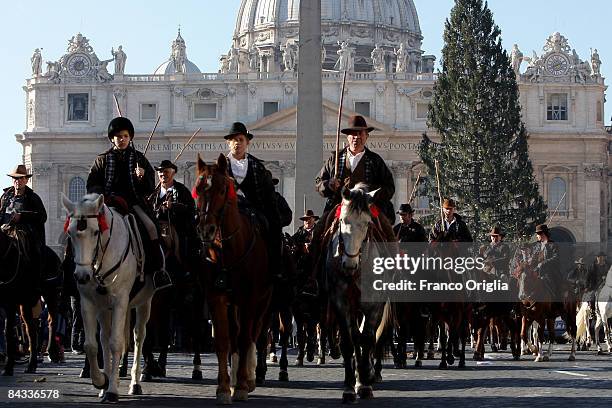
(161, 280)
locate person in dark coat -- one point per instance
(408, 230)
(173, 205)
(23, 214)
(497, 254)
(255, 190)
(454, 229)
(357, 164)
(284, 211)
(126, 178)
(546, 254)
(302, 239)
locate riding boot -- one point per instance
(161, 278)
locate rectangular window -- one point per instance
(78, 107)
(422, 110)
(148, 111)
(362, 108)
(599, 112)
(205, 111)
(270, 108)
(557, 107)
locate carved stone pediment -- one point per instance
(408, 91)
(204, 94)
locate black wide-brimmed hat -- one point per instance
(405, 209)
(356, 124)
(118, 124)
(166, 164)
(309, 214)
(542, 229)
(238, 128)
(20, 171)
(497, 231)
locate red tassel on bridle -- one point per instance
(231, 191)
(194, 193)
(102, 223)
(66, 224)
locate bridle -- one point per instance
(100, 251)
(219, 216)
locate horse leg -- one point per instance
(551, 338)
(195, 330)
(347, 348)
(480, 334)
(99, 379)
(442, 339)
(221, 324)
(367, 342)
(463, 333)
(31, 331)
(262, 354)
(285, 330)
(419, 338)
(11, 338)
(538, 331)
(525, 349)
(300, 322)
(149, 358)
(246, 347)
(52, 321)
(140, 331)
(117, 346)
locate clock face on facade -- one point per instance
(557, 64)
(79, 64)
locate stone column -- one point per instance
(309, 141)
(593, 185)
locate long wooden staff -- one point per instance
(186, 144)
(304, 204)
(338, 127)
(117, 105)
(556, 209)
(440, 196)
(416, 184)
(151, 136)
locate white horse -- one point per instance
(105, 253)
(603, 311)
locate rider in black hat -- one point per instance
(126, 178)
(409, 230)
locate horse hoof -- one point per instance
(196, 375)
(538, 359)
(240, 395)
(442, 365)
(123, 372)
(321, 361)
(283, 376)
(365, 392)
(450, 359)
(418, 363)
(494, 348)
(260, 381)
(104, 385)
(146, 377)
(516, 358)
(299, 363)
(30, 370)
(110, 398)
(477, 357)
(571, 358)
(600, 352)
(349, 398)
(135, 389)
(273, 358)
(430, 355)
(461, 364)
(335, 353)
(251, 385)
(84, 373)
(310, 356)
(546, 358)
(224, 398)
(378, 378)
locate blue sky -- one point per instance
(147, 28)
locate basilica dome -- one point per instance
(363, 23)
(178, 61)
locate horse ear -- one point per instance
(200, 164)
(346, 193)
(371, 195)
(68, 205)
(222, 163)
(100, 202)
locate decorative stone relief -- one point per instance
(380, 88)
(252, 89)
(594, 170)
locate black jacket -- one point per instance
(378, 176)
(121, 185)
(413, 232)
(284, 211)
(458, 231)
(33, 213)
(182, 212)
(259, 191)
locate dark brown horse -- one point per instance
(19, 289)
(236, 247)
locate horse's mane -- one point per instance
(359, 198)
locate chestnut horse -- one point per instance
(237, 248)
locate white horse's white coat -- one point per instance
(603, 311)
(112, 309)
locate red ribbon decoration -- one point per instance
(231, 191)
(102, 223)
(338, 211)
(66, 224)
(194, 193)
(374, 211)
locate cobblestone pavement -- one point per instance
(496, 382)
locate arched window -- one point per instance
(557, 189)
(76, 189)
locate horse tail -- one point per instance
(581, 321)
(387, 320)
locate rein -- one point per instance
(8, 250)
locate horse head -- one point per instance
(85, 224)
(354, 218)
(214, 191)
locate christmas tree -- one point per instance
(483, 152)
